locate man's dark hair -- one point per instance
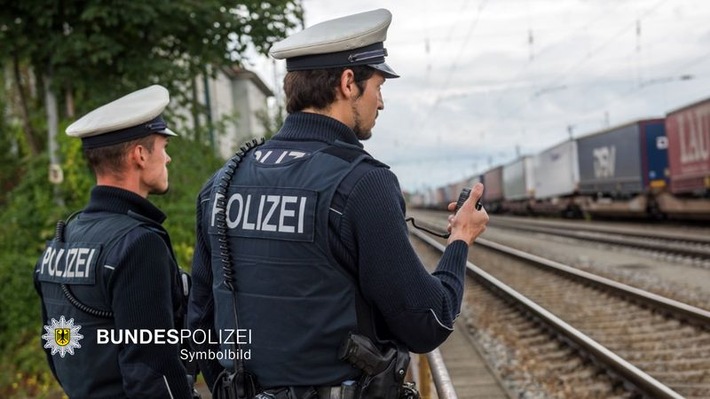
(111, 158)
(316, 88)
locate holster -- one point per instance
(386, 384)
(241, 385)
(289, 393)
(383, 374)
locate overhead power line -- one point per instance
(454, 65)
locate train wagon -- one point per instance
(519, 185)
(688, 130)
(441, 197)
(619, 166)
(655, 167)
(416, 200)
(493, 191)
(556, 173)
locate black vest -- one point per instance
(82, 261)
(296, 302)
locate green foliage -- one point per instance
(29, 218)
(27, 221)
(100, 49)
(10, 157)
(272, 124)
(92, 52)
(191, 166)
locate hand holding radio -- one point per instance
(465, 193)
(468, 225)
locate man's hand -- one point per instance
(468, 223)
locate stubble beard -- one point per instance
(360, 132)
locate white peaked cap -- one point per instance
(348, 41)
(130, 117)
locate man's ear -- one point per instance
(137, 155)
(347, 87)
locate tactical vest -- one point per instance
(295, 304)
(83, 261)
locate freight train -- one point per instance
(652, 168)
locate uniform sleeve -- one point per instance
(142, 298)
(200, 312)
(419, 308)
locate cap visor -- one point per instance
(166, 132)
(388, 72)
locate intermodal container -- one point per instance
(556, 171)
(518, 179)
(493, 185)
(621, 161)
(688, 131)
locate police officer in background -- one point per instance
(306, 235)
(112, 266)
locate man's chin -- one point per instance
(160, 192)
(362, 136)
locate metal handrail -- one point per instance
(442, 380)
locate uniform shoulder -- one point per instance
(370, 182)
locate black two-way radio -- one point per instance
(463, 196)
(465, 193)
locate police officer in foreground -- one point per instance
(112, 267)
(303, 240)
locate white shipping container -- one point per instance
(556, 171)
(518, 179)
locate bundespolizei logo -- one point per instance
(62, 336)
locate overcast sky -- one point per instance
(482, 81)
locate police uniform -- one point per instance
(112, 267)
(317, 239)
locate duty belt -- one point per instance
(331, 393)
(334, 392)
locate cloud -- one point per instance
(485, 81)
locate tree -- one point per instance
(272, 122)
(94, 50)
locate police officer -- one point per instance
(110, 273)
(306, 236)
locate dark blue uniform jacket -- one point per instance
(121, 264)
(368, 239)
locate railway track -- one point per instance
(633, 343)
(695, 247)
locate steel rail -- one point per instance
(684, 311)
(692, 314)
(628, 371)
(634, 240)
(640, 232)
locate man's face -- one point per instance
(155, 175)
(366, 107)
